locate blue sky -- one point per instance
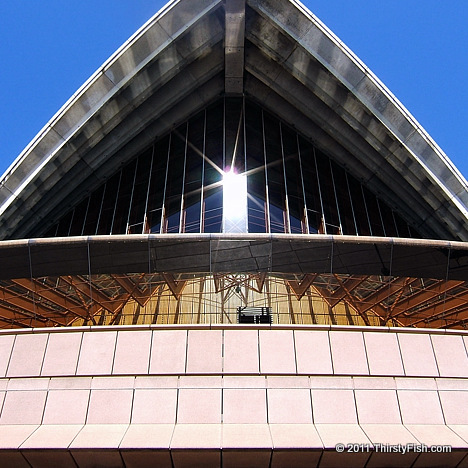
(417, 48)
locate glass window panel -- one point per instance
(234, 134)
(156, 191)
(108, 205)
(193, 176)
(344, 202)
(256, 184)
(359, 207)
(328, 194)
(140, 191)
(64, 225)
(312, 192)
(78, 220)
(123, 200)
(213, 199)
(175, 180)
(94, 209)
(388, 220)
(276, 192)
(373, 213)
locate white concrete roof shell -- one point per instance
(292, 65)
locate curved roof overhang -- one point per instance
(64, 281)
(274, 51)
(297, 254)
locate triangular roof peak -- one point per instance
(274, 51)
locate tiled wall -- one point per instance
(262, 391)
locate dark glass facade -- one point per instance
(175, 186)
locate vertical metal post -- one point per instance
(306, 214)
(287, 226)
(320, 193)
(202, 192)
(367, 211)
(131, 197)
(352, 204)
(116, 200)
(100, 209)
(145, 214)
(336, 198)
(267, 196)
(182, 204)
(163, 207)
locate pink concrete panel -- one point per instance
(451, 356)
(12, 436)
(52, 437)
(196, 436)
(461, 430)
(332, 434)
(6, 346)
(277, 354)
(374, 383)
(168, 352)
(110, 407)
(205, 352)
(156, 382)
(294, 381)
(147, 436)
(452, 384)
(454, 406)
(313, 353)
(154, 406)
(333, 407)
(246, 436)
(27, 356)
(97, 353)
(109, 383)
(132, 352)
(377, 407)
(66, 407)
(417, 354)
(195, 381)
(64, 383)
(295, 436)
(415, 383)
(99, 436)
(431, 434)
(23, 407)
(38, 383)
(244, 406)
(339, 383)
(348, 353)
(289, 406)
(243, 381)
(383, 353)
(199, 406)
(241, 352)
(61, 356)
(420, 407)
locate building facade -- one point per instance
(233, 246)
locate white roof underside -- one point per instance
(274, 51)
